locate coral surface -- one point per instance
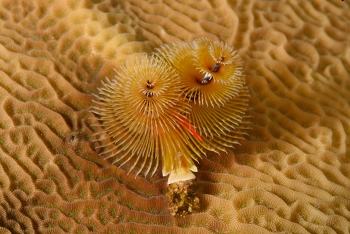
(291, 175)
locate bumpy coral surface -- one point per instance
(291, 175)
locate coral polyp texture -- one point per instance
(290, 175)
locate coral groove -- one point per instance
(290, 175)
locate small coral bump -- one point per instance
(182, 198)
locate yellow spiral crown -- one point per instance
(142, 113)
(212, 82)
(173, 107)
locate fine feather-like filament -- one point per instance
(212, 82)
(140, 111)
(217, 59)
(213, 93)
(172, 107)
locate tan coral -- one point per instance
(296, 61)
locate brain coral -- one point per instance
(291, 175)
